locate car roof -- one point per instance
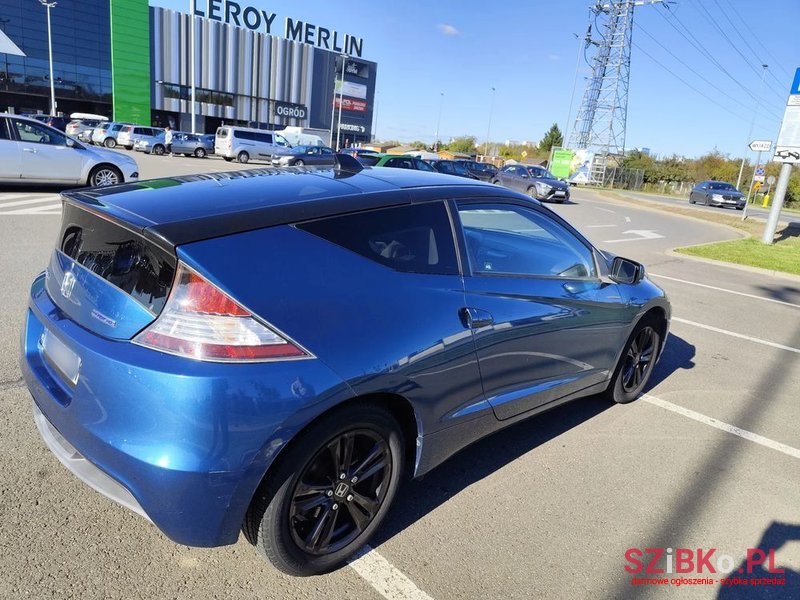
(178, 210)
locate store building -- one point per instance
(132, 62)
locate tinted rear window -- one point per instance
(410, 239)
(119, 256)
(223, 133)
(368, 161)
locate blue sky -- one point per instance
(526, 50)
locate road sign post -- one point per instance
(787, 151)
(756, 168)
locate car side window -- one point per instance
(38, 134)
(421, 165)
(509, 169)
(4, 133)
(522, 171)
(514, 240)
(411, 239)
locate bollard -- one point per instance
(765, 201)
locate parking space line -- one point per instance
(719, 289)
(385, 579)
(741, 336)
(721, 425)
(38, 200)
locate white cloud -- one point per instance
(449, 30)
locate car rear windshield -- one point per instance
(223, 133)
(368, 160)
(121, 257)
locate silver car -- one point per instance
(153, 144)
(130, 134)
(190, 144)
(32, 152)
(77, 126)
(106, 134)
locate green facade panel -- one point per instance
(130, 60)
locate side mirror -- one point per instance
(71, 143)
(624, 270)
(524, 176)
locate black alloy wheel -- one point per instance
(299, 162)
(328, 492)
(636, 363)
(340, 491)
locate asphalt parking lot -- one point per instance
(708, 459)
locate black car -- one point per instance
(717, 193)
(483, 171)
(59, 123)
(305, 155)
(535, 181)
(451, 167)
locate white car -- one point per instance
(32, 152)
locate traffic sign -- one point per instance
(771, 180)
(757, 185)
(761, 145)
(759, 179)
(787, 149)
(759, 170)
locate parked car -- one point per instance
(717, 193)
(32, 152)
(279, 365)
(243, 144)
(537, 182)
(483, 171)
(153, 144)
(298, 156)
(78, 126)
(451, 167)
(400, 161)
(355, 152)
(129, 134)
(190, 144)
(106, 134)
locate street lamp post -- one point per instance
(50, 5)
(192, 52)
(438, 122)
(752, 123)
(341, 104)
(489, 127)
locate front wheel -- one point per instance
(636, 363)
(158, 150)
(531, 192)
(104, 175)
(200, 152)
(299, 162)
(110, 143)
(329, 492)
(243, 157)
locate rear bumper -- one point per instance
(181, 442)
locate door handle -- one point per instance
(31, 150)
(475, 318)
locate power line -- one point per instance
(687, 84)
(730, 41)
(690, 37)
(736, 100)
(773, 60)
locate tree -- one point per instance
(464, 143)
(553, 137)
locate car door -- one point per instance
(545, 324)
(44, 153)
(506, 176)
(327, 156)
(10, 160)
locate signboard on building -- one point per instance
(348, 88)
(290, 111)
(351, 104)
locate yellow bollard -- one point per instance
(765, 202)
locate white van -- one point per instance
(244, 144)
(301, 136)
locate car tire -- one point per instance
(243, 157)
(287, 509)
(708, 201)
(227, 158)
(110, 143)
(159, 150)
(103, 175)
(531, 193)
(691, 200)
(200, 152)
(299, 162)
(636, 363)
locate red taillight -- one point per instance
(201, 321)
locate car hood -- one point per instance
(101, 154)
(729, 193)
(556, 183)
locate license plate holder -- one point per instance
(66, 362)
